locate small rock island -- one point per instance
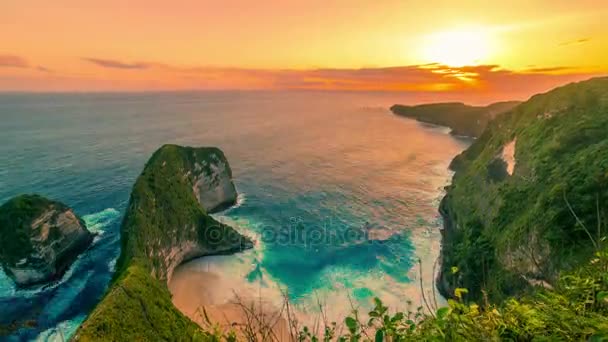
(39, 239)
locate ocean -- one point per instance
(313, 170)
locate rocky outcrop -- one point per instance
(213, 185)
(444, 284)
(508, 156)
(166, 224)
(39, 239)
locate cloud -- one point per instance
(432, 77)
(551, 69)
(429, 82)
(13, 61)
(43, 69)
(110, 63)
(575, 42)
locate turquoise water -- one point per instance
(313, 169)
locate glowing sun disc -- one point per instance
(457, 48)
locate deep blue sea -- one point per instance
(318, 166)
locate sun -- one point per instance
(457, 48)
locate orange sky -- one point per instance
(507, 49)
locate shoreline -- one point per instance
(215, 282)
(194, 293)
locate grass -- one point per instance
(138, 307)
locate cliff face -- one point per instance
(510, 212)
(462, 119)
(164, 226)
(39, 239)
(213, 186)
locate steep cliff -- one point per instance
(462, 119)
(166, 223)
(529, 197)
(39, 239)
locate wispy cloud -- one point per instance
(110, 63)
(434, 82)
(575, 41)
(551, 69)
(43, 69)
(13, 61)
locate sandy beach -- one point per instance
(208, 300)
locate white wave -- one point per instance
(7, 289)
(240, 200)
(97, 221)
(335, 288)
(62, 332)
(112, 265)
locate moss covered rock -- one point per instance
(39, 239)
(166, 224)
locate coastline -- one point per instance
(195, 286)
(193, 293)
(216, 282)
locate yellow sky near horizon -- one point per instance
(137, 44)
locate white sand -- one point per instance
(195, 293)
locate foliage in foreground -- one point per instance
(575, 310)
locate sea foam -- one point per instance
(96, 222)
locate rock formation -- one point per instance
(166, 224)
(39, 239)
(213, 186)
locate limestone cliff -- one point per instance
(39, 239)
(213, 186)
(166, 223)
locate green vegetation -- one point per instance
(504, 231)
(138, 307)
(164, 225)
(576, 310)
(164, 211)
(16, 216)
(39, 239)
(462, 119)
